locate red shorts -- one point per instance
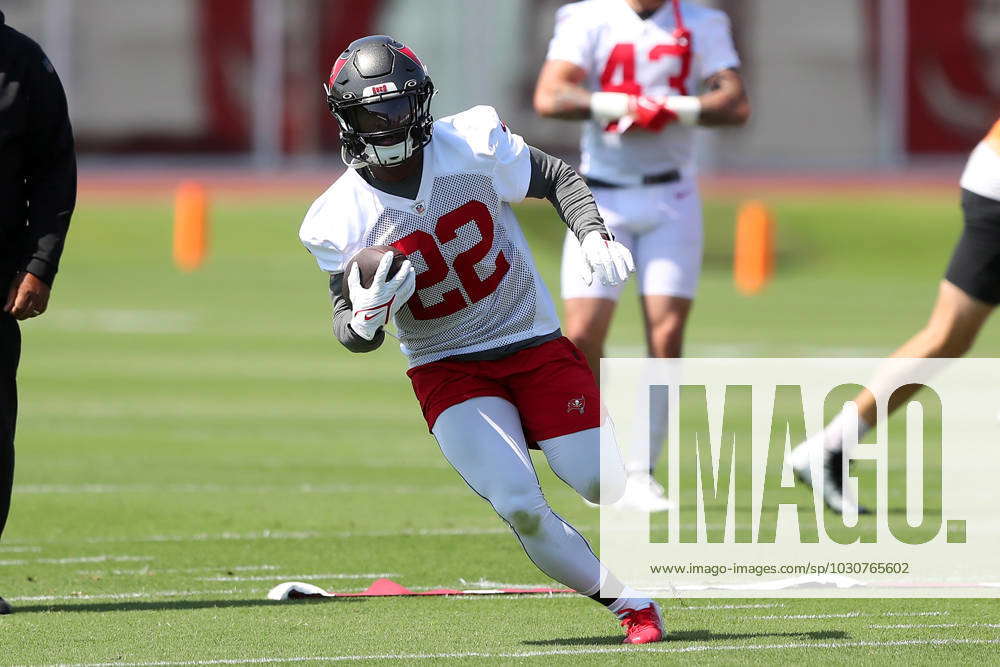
(551, 386)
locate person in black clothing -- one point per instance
(37, 195)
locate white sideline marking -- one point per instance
(304, 577)
(916, 613)
(519, 596)
(180, 570)
(910, 626)
(19, 549)
(485, 583)
(710, 607)
(127, 596)
(299, 535)
(73, 489)
(103, 558)
(120, 320)
(850, 614)
(649, 648)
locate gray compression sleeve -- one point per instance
(553, 179)
(342, 321)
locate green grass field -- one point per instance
(187, 441)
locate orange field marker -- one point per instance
(753, 257)
(190, 226)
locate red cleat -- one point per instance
(643, 626)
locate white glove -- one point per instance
(375, 306)
(609, 260)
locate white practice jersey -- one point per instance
(477, 285)
(982, 172)
(623, 53)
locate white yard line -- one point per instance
(179, 570)
(913, 626)
(656, 648)
(117, 489)
(290, 535)
(712, 607)
(102, 558)
(304, 577)
(127, 596)
(121, 320)
(850, 614)
(916, 613)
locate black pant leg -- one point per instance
(10, 353)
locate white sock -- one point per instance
(828, 441)
(657, 432)
(833, 434)
(629, 599)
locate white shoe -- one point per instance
(642, 492)
(836, 497)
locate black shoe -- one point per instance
(833, 485)
(4, 607)
(833, 482)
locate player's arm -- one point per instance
(553, 179)
(725, 101)
(50, 185)
(342, 316)
(50, 169)
(559, 92)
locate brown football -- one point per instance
(368, 260)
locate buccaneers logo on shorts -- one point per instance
(577, 404)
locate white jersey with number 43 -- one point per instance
(623, 53)
(477, 285)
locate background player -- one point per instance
(632, 69)
(487, 360)
(966, 298)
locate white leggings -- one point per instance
(483, 440)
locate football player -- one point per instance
(966, 298)
(488, 363)
(632, 69)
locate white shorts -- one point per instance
(660, 225)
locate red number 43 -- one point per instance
(619, 72)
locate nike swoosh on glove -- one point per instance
(610, 261)
(375, 306)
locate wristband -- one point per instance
(608, 107)
(687, 108)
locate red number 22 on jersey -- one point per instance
(465, 262)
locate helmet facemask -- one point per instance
(386, 129)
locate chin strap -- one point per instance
(350, 161)
(354, 162)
